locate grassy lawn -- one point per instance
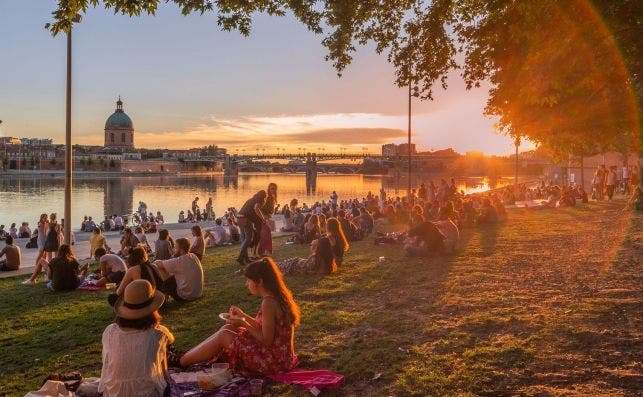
(546, 303)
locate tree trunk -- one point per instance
(582, 172)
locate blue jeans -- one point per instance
(247, 233)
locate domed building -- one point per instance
(119, 129)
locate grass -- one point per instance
(547, 303)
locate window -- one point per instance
(122, 137)
(112, 134)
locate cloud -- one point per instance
(250, 132)
(456, 127)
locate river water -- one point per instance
(25, 197)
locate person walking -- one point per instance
(611, 182)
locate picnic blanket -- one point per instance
(181, 382)
(86, 286)
(319, 379)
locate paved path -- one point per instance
(81, 247)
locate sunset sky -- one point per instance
(185, 83)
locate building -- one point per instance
(119, 129)
(403, 149)
(389, 149)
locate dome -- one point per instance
(119, 120)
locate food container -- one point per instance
(206, 381)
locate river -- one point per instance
(25, 197)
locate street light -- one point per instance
(517, 144)
(68, 149)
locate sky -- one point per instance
(185, 83)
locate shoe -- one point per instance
(28, 282)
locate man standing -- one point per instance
(249, 215)
(182, 275)
(611, 182)
(626, 180)
(195, 204)
(12, 256)
(333, 198)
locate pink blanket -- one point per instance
(321, 379)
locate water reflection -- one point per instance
(23, 198)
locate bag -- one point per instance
(51, 388)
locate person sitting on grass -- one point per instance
(112, 267)
(128, 241)
(142, 239)
(97, 241)
(263, 344)
(425, 239)
(321, 260)
(164, 246)
(217, 235)
(198, 245)
(352, 232)
(233, 230)
(135, 346)
(450, 231)
(11, 253)
(337, 239)
(64, 271)
(138, 267)
(365, 221)
(182, 275)
(488, 213)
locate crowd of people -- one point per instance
(137, 349)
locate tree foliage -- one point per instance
(554, 66)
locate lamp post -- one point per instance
(408, 193)
(68, 148)
(517, 144)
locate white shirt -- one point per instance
(114, 262)
(134, 361)
(188, 273)
(220, 234)
(118, 221)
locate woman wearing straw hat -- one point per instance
(134, 346)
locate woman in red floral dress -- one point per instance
(261, 344)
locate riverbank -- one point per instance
(546, 303)
(104, 174)
(81, 245)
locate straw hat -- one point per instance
(139, 300)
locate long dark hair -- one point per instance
(271, 184)
(265, 269)
(137, 256)
(325, 257)
(65, 252)
(334, 227)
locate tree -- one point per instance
(556, 74)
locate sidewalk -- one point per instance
(81, 247)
